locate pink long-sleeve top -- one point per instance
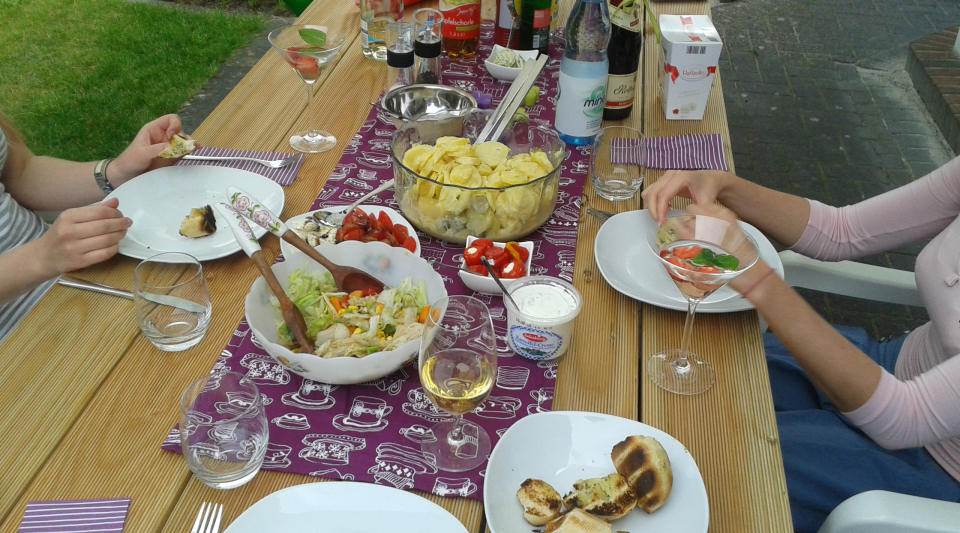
(919, 405)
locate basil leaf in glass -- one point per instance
(314, 37)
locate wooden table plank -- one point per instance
(731, 429)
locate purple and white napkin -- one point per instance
(691, 151)
(284, 176)
(75, 516)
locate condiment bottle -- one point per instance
(427, 46)
(583, 73)
(461, 27)
(400, 57)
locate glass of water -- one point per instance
(171, 300)
(223, 429)
(617, 162)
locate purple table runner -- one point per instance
(372, 431)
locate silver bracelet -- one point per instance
(100, 175)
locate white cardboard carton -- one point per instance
(691, 49)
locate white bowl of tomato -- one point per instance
(367, 223)
(511, 261)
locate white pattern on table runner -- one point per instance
(284, 176)
(75, 516)
(690, 151)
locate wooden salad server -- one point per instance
(248, 241)
(347, 278)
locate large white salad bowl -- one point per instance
(388, 264)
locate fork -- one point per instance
(206, 522)
(272, 163)
(602, 216)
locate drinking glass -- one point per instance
(458, 366)
(171, 300)
(701, 254)
(223, 429)
(307, 53)
(616, 162)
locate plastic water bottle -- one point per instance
(583, 73)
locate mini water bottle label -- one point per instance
(580, 105)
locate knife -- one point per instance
(161, 299)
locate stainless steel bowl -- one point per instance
(496, 213)
(434, 110)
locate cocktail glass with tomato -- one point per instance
(701, 254)
(308, 49)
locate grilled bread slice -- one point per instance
(179, 147)
(643, 462)
(578, 521)
(199, 223)
(541, 502)
(609, 497)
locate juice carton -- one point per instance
(691, 49)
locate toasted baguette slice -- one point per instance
(179, 147)
(578, 521)
(199, 223)
(541, 502)
(643, 462)
(609, 497)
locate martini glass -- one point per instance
(701, 254)
(307, 49)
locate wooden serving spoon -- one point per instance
(244, 235)
(347, 278)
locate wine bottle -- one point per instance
(626, 40)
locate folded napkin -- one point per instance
(284, 176)
(75, 516)
(691, 151)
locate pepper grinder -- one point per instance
(400, 57)
(427, 47)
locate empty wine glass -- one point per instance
(701, 254)
(307, 49)
(458, 365)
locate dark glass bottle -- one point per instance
(535, 25)
(626, 39)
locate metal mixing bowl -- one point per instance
(435, 110)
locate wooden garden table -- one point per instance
(87, 400)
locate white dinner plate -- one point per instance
(345, 507)
(625, 260)
(561, 447)
(159, 200)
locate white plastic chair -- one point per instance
(875, 511)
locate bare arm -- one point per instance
(782, 216)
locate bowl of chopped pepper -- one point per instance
(511, 261)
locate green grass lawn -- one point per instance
(79, 77)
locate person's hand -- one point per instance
(83, 236)
(141, 155)
(701, 186)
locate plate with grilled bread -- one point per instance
(579, 472)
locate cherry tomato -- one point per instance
(472, 255)
(383, 220)
(517, 252)
(513, 269)
(481, 244)
(410, 244)
(687, 252)
(477, 269)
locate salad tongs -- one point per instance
(347, 278)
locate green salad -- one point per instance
(353, 324)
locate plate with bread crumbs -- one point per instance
(590, 472)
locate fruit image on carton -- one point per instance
(690, 47)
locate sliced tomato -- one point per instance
(513, 269)
(383, 220)
(477, 269)
(355, 233)
(390, 239)
(664, 253)
(687, 252)
(369, 291)
(358, 218)
(400, 232)
(707, 269)
(410, 244)
(374, 222)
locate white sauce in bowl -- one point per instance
(545, 301)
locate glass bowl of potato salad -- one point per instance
(449, 187)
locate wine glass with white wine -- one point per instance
(307, 49)
(458, 362)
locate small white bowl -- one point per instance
(485, 284)
(386, 263)
(296, 222)
(507, 73)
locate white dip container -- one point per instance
(542, 326)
